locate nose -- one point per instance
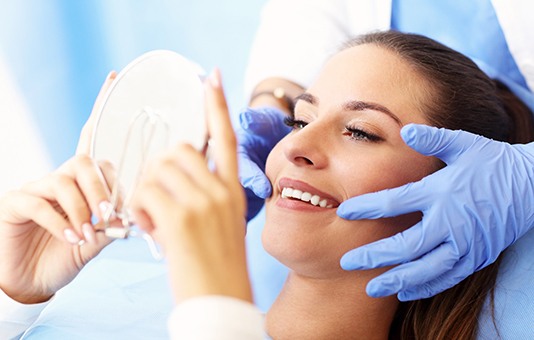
(307, 147)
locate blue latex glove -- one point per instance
(260, 130)
(474, 208)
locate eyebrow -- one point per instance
(352, 105)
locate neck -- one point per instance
(339, 308)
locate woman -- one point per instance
(345, 142)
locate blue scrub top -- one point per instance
(470, 27)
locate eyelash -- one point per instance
(354, 133)
(293, 123)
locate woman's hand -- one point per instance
(43, 225)
(198, 216)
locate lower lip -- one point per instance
(299, 205)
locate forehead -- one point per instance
(375, 74)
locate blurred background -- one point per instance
(54, 57)
(55, 54)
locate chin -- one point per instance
(305, 244)
(313, 247)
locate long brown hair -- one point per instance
(462, 97)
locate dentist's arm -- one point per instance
(473, 209)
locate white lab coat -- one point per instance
(294, 46)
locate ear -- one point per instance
(86, 135)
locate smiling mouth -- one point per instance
(315, 200)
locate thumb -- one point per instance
(445, 144)
(251, 177)
(265, 122)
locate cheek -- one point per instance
(274, 162)
(384, 171)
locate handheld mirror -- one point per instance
(155, 102)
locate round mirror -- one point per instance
(155, 102)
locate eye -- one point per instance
(361, 135)
(295, 124)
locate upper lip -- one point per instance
(305, 187)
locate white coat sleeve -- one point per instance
(294, 39)
(216, 318)
(16, 317)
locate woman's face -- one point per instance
(345, 143)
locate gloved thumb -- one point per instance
(445, 144)
(255, 180)
(265, 122)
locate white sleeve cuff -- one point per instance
(216, 317)
(16, 317)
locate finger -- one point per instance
(445, 144)
(26, 207)
(388, 203)
(84, 143)
(91, 182)
(415, 273)
(447, 280)
(109, 176)
(268, 122)
(193, 164)
(155, 205)
(167, 175)
(63, 190)
(220, 130)
(399, 248)
(254, 179)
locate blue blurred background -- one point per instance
(58, 52)
(54, 56)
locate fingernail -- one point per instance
(111, 75)
(408, 133)
(106, 210)
(89, 233)
(71, 236)
(214, 78)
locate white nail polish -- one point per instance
(88, 233)
(71, 236)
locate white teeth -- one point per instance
(296, 194)
(287, 192)
(305, 196)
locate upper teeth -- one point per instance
(305, 196)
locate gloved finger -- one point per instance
(459, 272)
(387, 203)
(406, 246)
(254, 204)
(415, 273)
(268, 122)
(253, 178)
(445, 144)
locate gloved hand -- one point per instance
(260, 130)
(474, 208)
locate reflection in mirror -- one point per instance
(155, 102)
